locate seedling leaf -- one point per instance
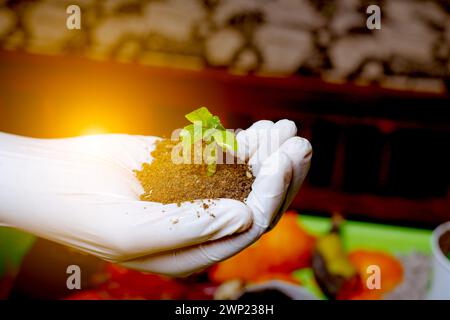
(208, 128)
(208, 134)
(214, 122)
(225, 139)
(211, 169)
(192, 133)
(202, 114)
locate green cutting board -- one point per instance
(363, 235)
(14, 244)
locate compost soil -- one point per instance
(166, 182)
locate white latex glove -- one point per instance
(82, 192)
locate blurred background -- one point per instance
(374, 103)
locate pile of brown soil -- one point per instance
(166, 182)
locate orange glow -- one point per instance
(67, 96)
(93, 130)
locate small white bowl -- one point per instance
(440, 285)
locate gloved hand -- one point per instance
(82, 192)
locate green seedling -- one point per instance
(209, 129)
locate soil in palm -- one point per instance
(166, 182)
